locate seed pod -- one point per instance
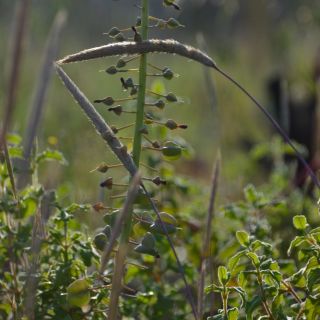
(129, 83)
(167, 73)
(171, 97)
(117, 110)
(160, 104)
(158, 228)
(147, 245)
(111, 70)
(102, 167)
(108, 101)
(172, 23)
(137, 36)
(114, 129)
(156, 144)
(133, 91)
(107, 231)
(138, 22)
(171, 150)
(171, 124)
(158, 181)
(144, 130)
(120, 37)
(121, 63)
(100, 241)
(113, 32)
(110, 218)
(161, 24)
(108, 183)
(98, 207)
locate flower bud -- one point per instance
(173, 23)
(171, 124)
(167, 73)
(121, 63)
(117, 110)
(160, 104)
(108, 183)
(120, 37)
(171, 97)
(113, 32)
(112, 70)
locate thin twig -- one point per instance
(206, 252)
(38, 100)
(275, 125)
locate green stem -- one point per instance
(124, 239)
(142, 87)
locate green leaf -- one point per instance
(78, 293)
(300, 222)
(234, 260)
(296, 242)
(223, 275)
(233, 314)
(243, 238)
(254, 258)
(51, 155)
(251, 306)
(242, 294)
(313, 278)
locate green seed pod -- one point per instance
(108, 183)
(161, 24)
(157, 227)
(110, 218)
(171, 124)
(113, 32)
(148, 241)
(171, 97)
(117, 110)
(172, 23)
(121, 63)
(107, 231)
(160, 104)
(171, 3)
(168, 218)
(112, 70)
(142, 249)
(120, 37)
(100, 241)
(171, 151)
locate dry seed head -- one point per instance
(121, 63)
(117, 110)
(147, 46)
(113, 32)
(109, 101)
(144, 130)
(108, 183)
(160, 104)
(171, 97)
(158, 181)
(99, 206)
(112, 70)
(167, 73)
(171, 124)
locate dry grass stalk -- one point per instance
(206, 255)
(38, 100)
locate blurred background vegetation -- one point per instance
(251, 39)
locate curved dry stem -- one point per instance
(147, 46)
(100, 125)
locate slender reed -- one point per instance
(38, 100)
(206, 252)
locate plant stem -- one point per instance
(142, 86)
